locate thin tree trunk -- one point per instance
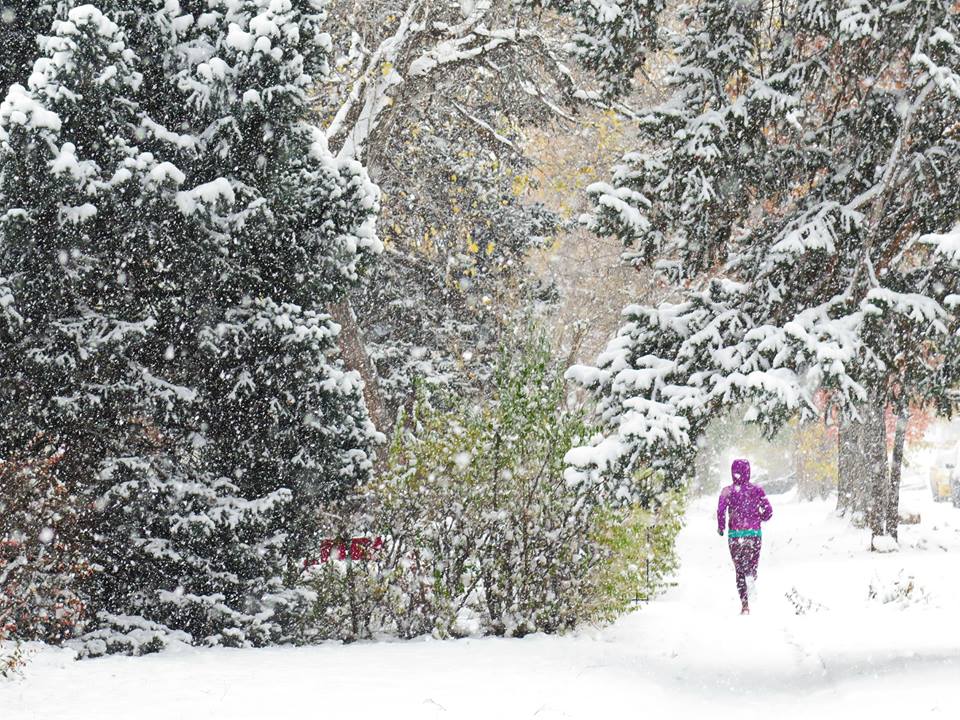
(843, 472)
(800, 464)
(896, 468)
(851, 465)
(355, 358)
(875, 446)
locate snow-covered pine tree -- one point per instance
(674, 201)
(795, 186)
(612, 38)
(235, 228)
(278, 229)
(73, 328)
(21, 22)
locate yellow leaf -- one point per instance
(473, 247)
(386, 68)
(490, 247)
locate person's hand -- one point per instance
(720, 531)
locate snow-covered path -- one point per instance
(687, 655)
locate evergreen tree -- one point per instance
(21, 22)
(795, 186)
(190, 285)
(73, 388)
(612, 38)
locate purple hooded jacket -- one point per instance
(746, 503)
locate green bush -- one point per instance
(641, 552)
(483, 533)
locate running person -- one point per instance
(747, 506)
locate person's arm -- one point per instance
(722, 511)
(766, 509)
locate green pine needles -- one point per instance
(173, 229)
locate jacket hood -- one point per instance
(740, 472)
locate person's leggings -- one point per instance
(745, 552)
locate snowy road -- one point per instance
(687, 655)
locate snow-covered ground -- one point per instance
(687, 655)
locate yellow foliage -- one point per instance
(816, 460)
(520, 184)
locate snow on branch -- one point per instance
(417, 50)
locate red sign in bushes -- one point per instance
(358, 548)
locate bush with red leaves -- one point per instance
(40, 552)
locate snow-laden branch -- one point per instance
(459, 50)
(371, 86)
(485, 127)
(418, 49)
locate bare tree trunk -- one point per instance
(844, 432)
(850, 465)
(355, 358)
(800, 465)
(896, 468)
(875, 447)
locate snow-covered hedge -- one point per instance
(483, 534)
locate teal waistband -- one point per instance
(743, 533)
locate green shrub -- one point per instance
(641, 557)
(483, 533)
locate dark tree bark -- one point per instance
(877, 493)
(867, 482)
(851, 466)
(896, 468)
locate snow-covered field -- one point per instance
(687, 655)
